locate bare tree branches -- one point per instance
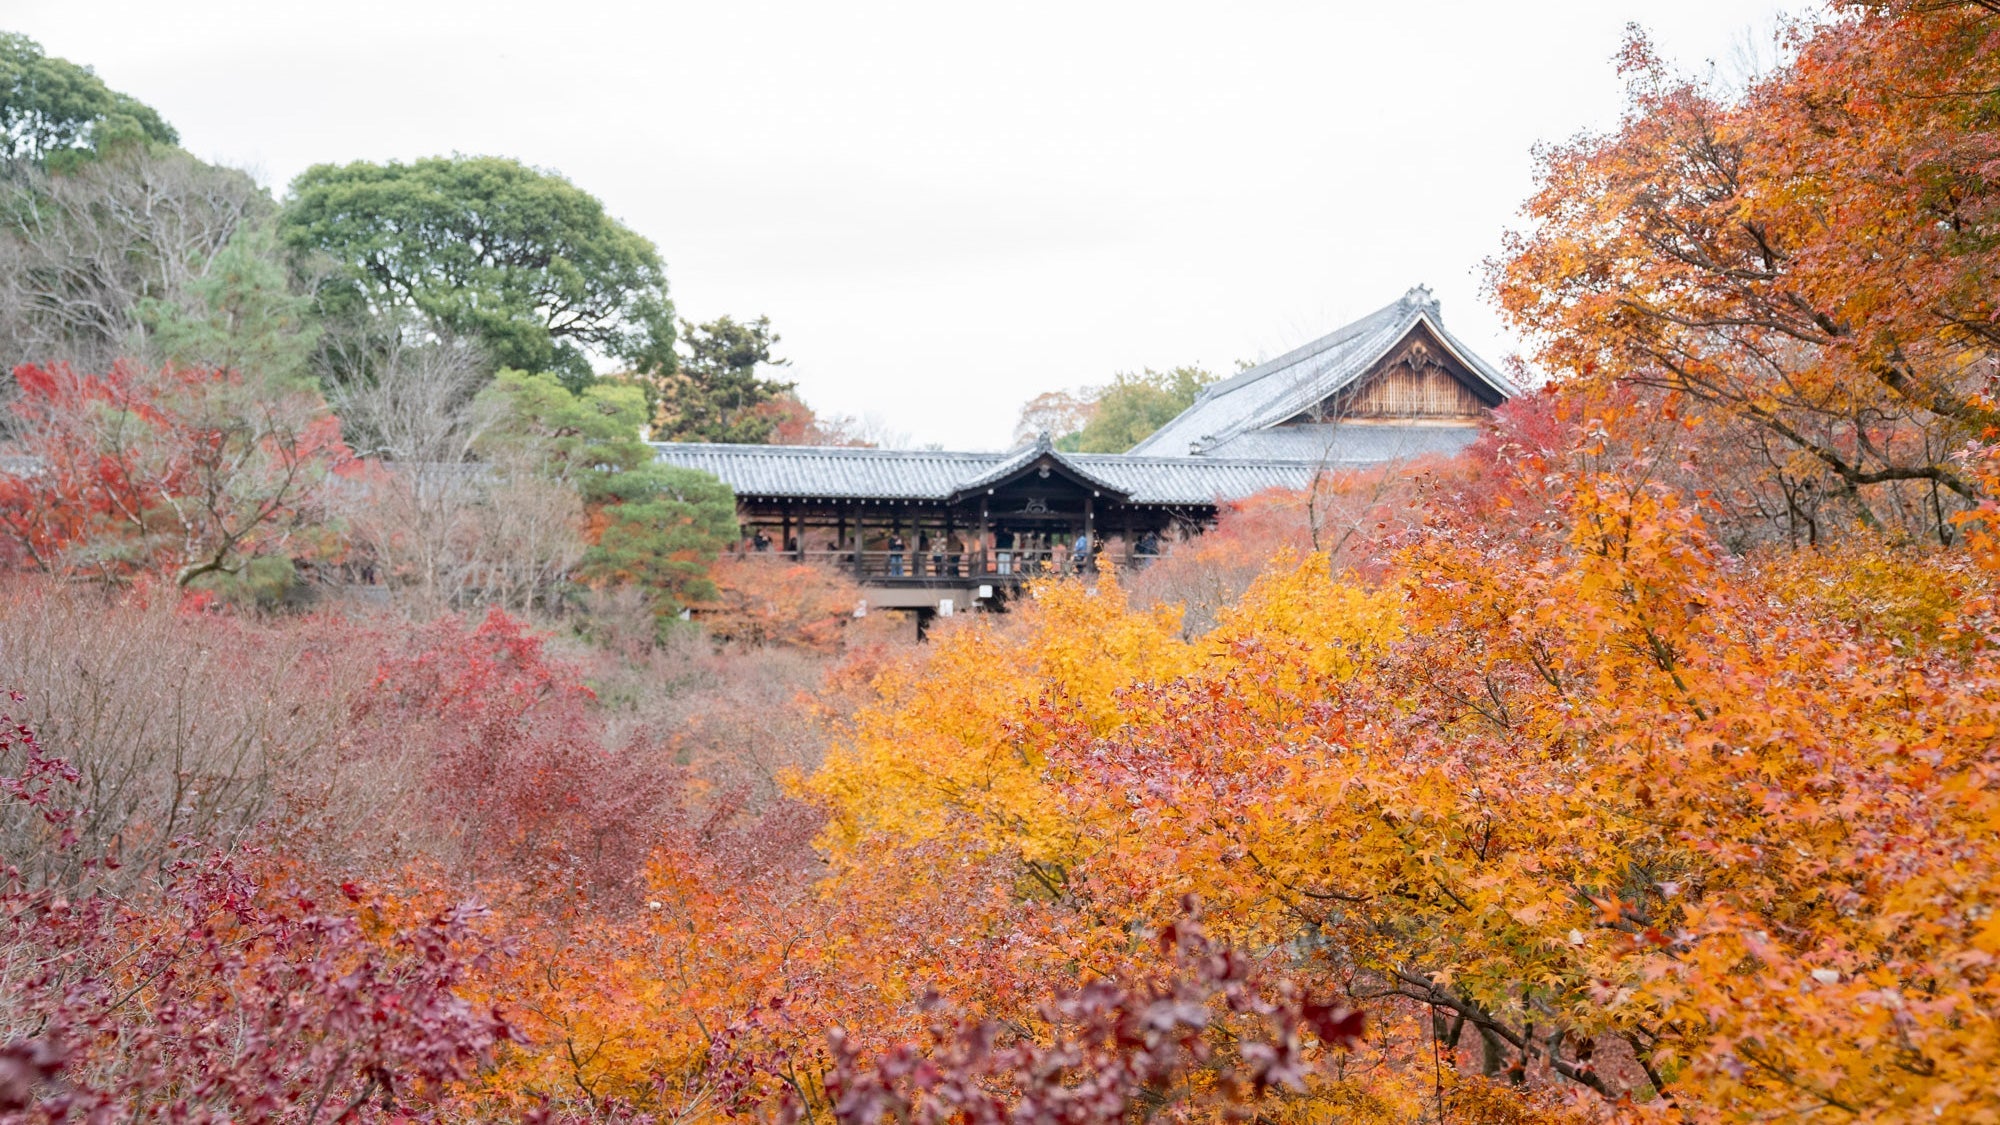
(81, 252)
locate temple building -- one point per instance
(947, 532)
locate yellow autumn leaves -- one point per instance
(1663, 821)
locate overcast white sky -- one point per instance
(948, 208)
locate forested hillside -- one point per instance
(1638, 763)
(431, 378)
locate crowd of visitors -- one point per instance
(951, 554)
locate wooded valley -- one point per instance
(389, 737)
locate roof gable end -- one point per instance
(1456, 390)
(1040, 459)
(1271, 393)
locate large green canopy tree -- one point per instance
(521, 260)
(52, 107)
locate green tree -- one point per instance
(661, 531)
(1133, 406)
(582, 437)
(242, 315)
(657, 527)
(716, 392)
(51, 107)
(490, 249)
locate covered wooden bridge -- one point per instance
(924, 527)
(938, 531)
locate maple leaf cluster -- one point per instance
(184, 473)
(1637, 764)
(1807, 263)
(233, 997)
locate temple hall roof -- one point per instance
(841, 473)
(1272, 392)
(1344, 444)
(1241, 437)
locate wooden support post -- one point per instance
(980, 567)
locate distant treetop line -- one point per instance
(114, 243)
(52, 107)
(444, 262)
(1115, 417)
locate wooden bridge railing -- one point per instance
(1010, 566)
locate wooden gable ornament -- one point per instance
(1420, 379)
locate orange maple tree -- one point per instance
(1606, 772)
(1812, 259)
(184, 473)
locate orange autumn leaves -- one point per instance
(1603, 790)
(1809, 258)
(1640, 764)
(1583, 811)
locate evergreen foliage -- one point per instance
(655, 527)
(582, 437)
(1133, 406)
(716, 393)
(663, 527)
(488, 248)
(51, 108)
(241, 315)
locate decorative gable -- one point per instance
(1039, 469)
(1419, 379)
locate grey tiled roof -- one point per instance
(1193, 480)
(1027, 455)
(835, 472)
(1227, 446)
(1269, 393)
(807, 471)
(1344, 443)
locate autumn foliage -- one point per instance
(764, 599)
(1808, 264)
(181, 472)
(241, 994)
(1636, 764)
